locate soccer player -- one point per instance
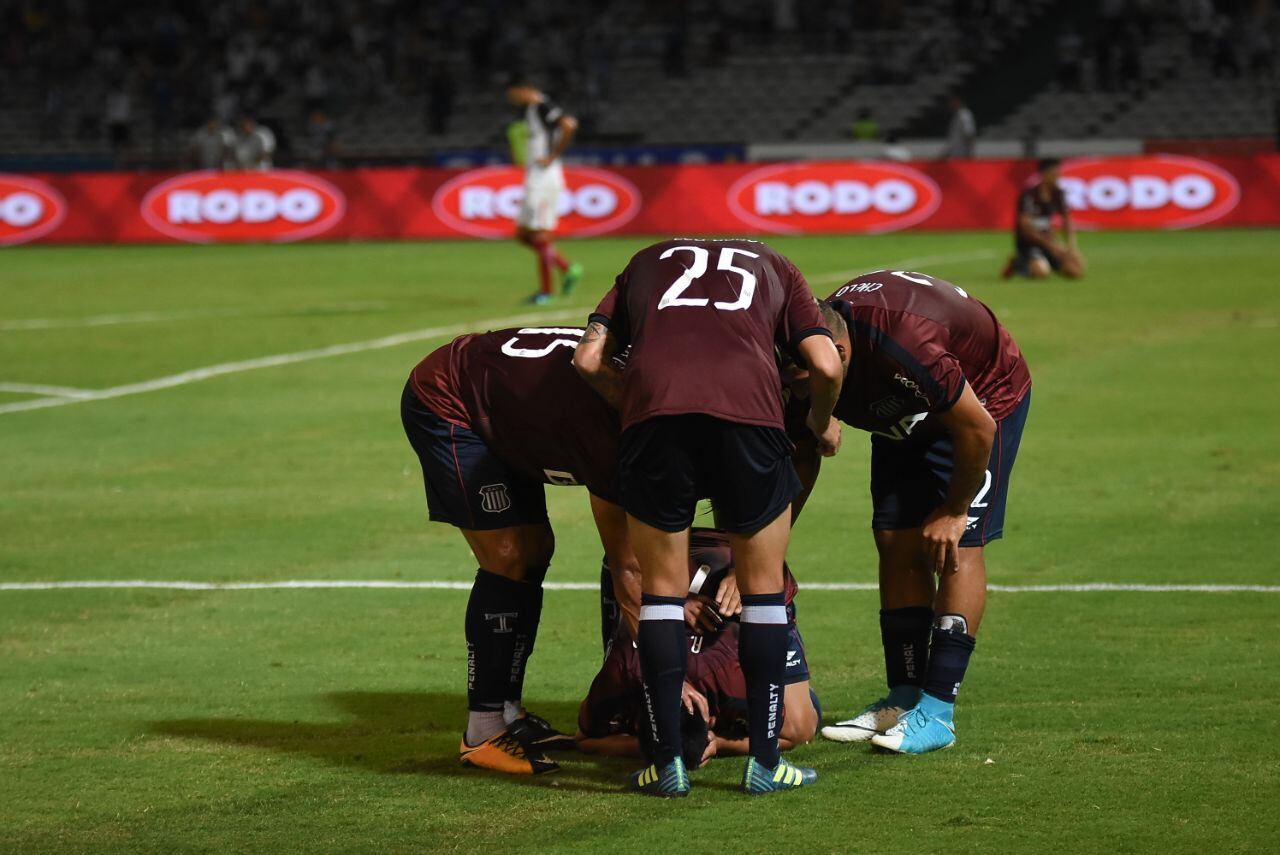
(493, 418)
(1037, 253)
(548, 130)
(701, 406)
(612, 718)
(944, 391)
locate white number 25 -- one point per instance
(673, 297)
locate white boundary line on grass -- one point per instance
(325, 584)
(198, 374)
(144, 317)
(63, 396)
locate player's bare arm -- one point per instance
(568, 128)
(808, 464)
(593, 358)
(1028, 231)
(972, 433)
(826, 374)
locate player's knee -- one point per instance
(801, 724)
(1039, 269)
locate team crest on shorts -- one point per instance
(494, 498)
(886, 407)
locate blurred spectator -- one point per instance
(213, 146)
(255, 146)
(322, 141)
(441, 91)
(1226, 60)
(1070, 49)
(1197, 17)
(117, 114)
(864, 127)
(895, 150)
(1031, 142)
(962, 132)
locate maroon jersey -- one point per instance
(518, 390)
(702, 318)
(1042, 210)
(916, 339)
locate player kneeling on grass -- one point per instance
(1036, 253)
(493, 418)
(702, 416)
(612, 719)
(944, 391)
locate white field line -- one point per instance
(20, 324)
(198, 374)
(36, 389)
(297, 584)
(839, 277)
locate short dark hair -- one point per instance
(833, 319)
(519, 78)
(1044, 164)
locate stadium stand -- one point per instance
(127, 83)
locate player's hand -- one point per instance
(544, 162)
(701, 617)
(695, 702)
(710, 750)
(728, 598)
(828, 435)
(941, 536)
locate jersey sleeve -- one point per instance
(800, 316)
(606, 701)
(550, 112)
(930, 372)
(611, 311)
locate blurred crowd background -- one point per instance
(161, 83)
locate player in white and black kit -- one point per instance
(550, 129)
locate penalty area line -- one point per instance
(328, 584)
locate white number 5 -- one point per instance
(673, 297)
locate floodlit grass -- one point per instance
(329, 720)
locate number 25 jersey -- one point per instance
(702, 318)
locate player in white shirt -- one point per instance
(550, 129)
(256, 145)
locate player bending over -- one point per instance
(549, 129)
(701, 409)
(944, 391)
(493, 418)
(612, 719)
(1036, 252)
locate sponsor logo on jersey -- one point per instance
(485, 202)
(1155, 192)
(494, 498)
(276, 206)
(29, 209)
(834, 198)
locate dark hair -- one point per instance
(519, 78)
(833, 319)
(1047, 163)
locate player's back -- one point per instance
(922, 335)
(702, 318)
(518, 390)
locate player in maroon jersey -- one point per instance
(1036, 252)
(944, 391)
(612, 718)
(493, 418)
(702, 416)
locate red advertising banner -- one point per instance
(1162, 191)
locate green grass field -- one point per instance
(320, 720)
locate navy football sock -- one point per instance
(530, 615)
(663, 654)
(948, 660)
(493, 620)
(905, 636)
(762, 653)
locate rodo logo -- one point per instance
(1160, 191)
(834, 198)
(278, 206)
(29, 209)
(485, 202)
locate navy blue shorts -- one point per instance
(667, 463)
(909, 479)
(467, 485)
